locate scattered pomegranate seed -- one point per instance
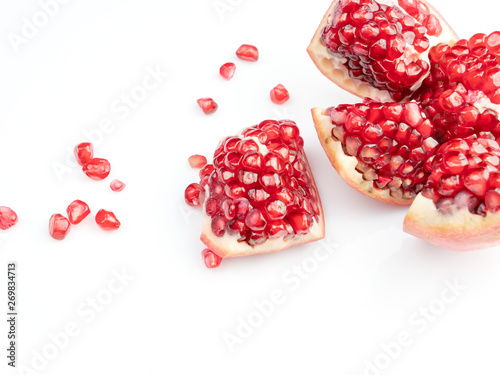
(84, 152)
(192, 194)
(211, 259)
(77, 211)
(227, 70)
(208, 105)
(8, 217)
(107, 220)
(58, 226)
(97, 169)
(279, 94)
(197, 161)
(248, 52)
(117, 185)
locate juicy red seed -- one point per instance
(206, 170)
(107, 220)
(433, 25)
(300, 222)
(117, 185)
(77, 211)
(84, 152)
(476, 181)
(208, 105)
(192, 194)
(493, 42)
(211, 259)
(97, 169)
(227, 70)
(8, 217)
(248, 52)
(255, 220)
(58, 226)
(197, 161)
(279, 94)
(219, 223)
(492, 200)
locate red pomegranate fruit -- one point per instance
(259, 193)
(376, 50)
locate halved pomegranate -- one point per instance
(378, 49)
(260, 195)
(378, 148)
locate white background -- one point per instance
(172, 317)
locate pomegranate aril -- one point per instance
(77, 211)
(84, 152)
(227, 70)
(476, 180)
(8, 217)
(208, 105)
(279, 94)
(58, 226)
(211, 259)
(248, 52)
(117, 185)
(97, 169)
(107, 220)
(192, 194)
(492, 200)
(197, 161)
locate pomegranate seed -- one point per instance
(279, 94)
(248, 52)
(493, 42)
(227, 70)
(97, 169)
(117, 185)
(208, 105)
(77, 211)
(192, 195)
(58, 226)
(107, 220)
(211, 259)
(8, 217)
(197, 161)
(84, 152)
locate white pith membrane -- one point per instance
(334, 69)
(460, 231)
(345, 165)
(229, 246)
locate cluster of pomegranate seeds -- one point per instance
(197, 161)
(227, 70)
(84, 152)
(391, 142)
(259, 186)
(8, 217)
(465, 174)
(117, 185)
(247, 52)
(59, 226)
(422, 14)
(77, 211)
(279, 94)
(107, 220)
(382, 44)
(211, 259)
(208, 105)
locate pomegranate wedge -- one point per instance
(376, 50)
(259, 194)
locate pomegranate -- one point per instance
(259, 193)
(97, 169)
(208, 105)
(279, 94)
(8, 217)
(227, 70)
(117, 185)
(84, 152)
(59, 226)
(248, 52)
(378, 49)
(77, 211)
(107, 220)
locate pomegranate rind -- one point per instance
(345, 165)
(333, 68)
(459, 231)
(228, 246)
